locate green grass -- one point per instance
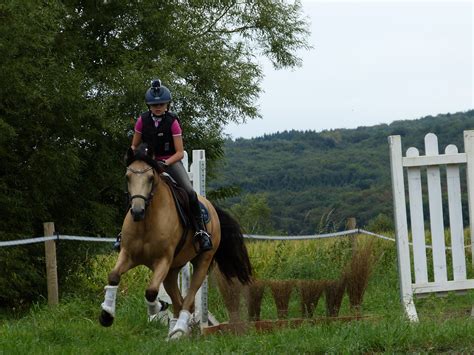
(73, 328)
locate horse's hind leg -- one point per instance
(151, 294)
(201, 267)
(171, 286)
(122, 265)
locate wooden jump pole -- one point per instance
(51, 265)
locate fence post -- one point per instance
(51, 265)
(351, 223)
(198, 168)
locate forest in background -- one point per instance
(297, 182)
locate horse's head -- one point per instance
(141, 179)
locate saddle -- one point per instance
(181, 201)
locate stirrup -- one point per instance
(204, 239)
(116, 246)
(202, 234)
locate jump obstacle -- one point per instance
(415, 164)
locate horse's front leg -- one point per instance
(201, 266)
(155, 306)
(123, 264)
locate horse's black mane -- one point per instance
(143, 153)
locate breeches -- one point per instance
(179, 174)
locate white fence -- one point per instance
(416, 165)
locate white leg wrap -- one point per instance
(109, 302)
(181, 328)
(172, 324)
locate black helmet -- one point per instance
(157, 94)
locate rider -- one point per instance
(160, 129)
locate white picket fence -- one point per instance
(416, 165)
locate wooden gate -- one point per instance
(436, 279)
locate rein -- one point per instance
(153, 186)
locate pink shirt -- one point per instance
(175, 131)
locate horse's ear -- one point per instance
(129, 157)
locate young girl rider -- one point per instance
(161, 130)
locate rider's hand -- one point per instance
(162, 164)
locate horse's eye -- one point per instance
(150, 178)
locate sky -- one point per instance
(372, 62)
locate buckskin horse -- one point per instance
(154, 235)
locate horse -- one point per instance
(154, 236)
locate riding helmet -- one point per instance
(157, 93)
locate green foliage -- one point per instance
(314, 181)
(253, 214)
(381, 223)
(73, 75)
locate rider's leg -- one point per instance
(201, 234)
(178, 173)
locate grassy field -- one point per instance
(72, 327)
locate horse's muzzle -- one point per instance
(138, 213)
(137, 208)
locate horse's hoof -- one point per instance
(178, 331)
(176, 334)
(164, 305)
(106, 319)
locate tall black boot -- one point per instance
(201, 235)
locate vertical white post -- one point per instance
(415, 196)
(435, 204)
(455, 217)
(185, 273)
(469, 150)
(198, 170)
(401, 227)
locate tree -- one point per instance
(73, 74)
(254, 214)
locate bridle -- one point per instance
(150, 196)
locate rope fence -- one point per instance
(247, 236)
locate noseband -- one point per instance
(146, 199)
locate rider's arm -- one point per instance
(137, 136)
(179, 148)
(136, 140)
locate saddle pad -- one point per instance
(206, 217)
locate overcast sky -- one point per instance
(372, 62)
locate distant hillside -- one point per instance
(310, 177)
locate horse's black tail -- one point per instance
(232, 256)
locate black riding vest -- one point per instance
(160, 138)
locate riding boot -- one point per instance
(201, 235)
